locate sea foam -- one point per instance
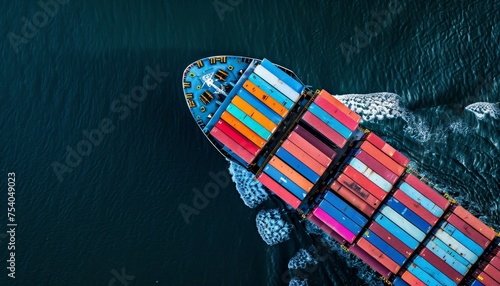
(251, 191)
(380, 105)
(481, 109)
(301, 260)
(271, 227)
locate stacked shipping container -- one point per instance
(255, 111)
(333, 119)
(488, 272)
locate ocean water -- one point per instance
(425, 77)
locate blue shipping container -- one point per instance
(433, 271)
(466, 241)
(422, 275)
(285, 182)
(260, 106)
(271, 91)
(249, 121)
(288, 80)
(340, 217)
(297, 165)
(399, 282)
(446, 256)
(276, 82)
(346, 209)
(452, 252)
(403, 223)
(409, 215)
(477, 283)
(370, 174)
(330, 120)
(384, 247)
(421, 199)
(456, 245)
(396, 231)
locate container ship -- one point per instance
(311, 150)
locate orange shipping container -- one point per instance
(353, 115)
(290, 173)
(243, 129)
(265, 98)
(474, 222)
(411, 279)
(253, 113)
(303, 157)
(382, 158)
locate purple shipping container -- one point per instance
(315, 141)
(327, 229)
(335, 225)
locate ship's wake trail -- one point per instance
(251, 191)
(272, 228)
(380, 105)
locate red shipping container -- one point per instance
(349, 196)
(231, 144)
(336, 113)
(386, 236)
(469, 231)
(340, 105)
(440, 264)
(474, 222)
(279, 190)
(358, 190)
(427, 191)
(415, 207)
(291, 174)
(382, 158)
(311, 149)
(327, 229)
(365, 183)
(493, 272)
(387, 149)
(304, 157)
(237, 136)
(411, 279)
(378, 255)
(376, 166)
(484, 278)
(315, 141)
(381, 269)
(324, 129)
(495, 261)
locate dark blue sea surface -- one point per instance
(112, 217)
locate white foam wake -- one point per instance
(481, 109)
(298, 282)
(301, 260)
(271, 227)
(251, 191)
(380, 105)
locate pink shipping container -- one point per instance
(358, 190)
(315, 141)
(469, 231)
(376, 166)
(474, 222)
(415, 207)
(304, 157)
(495, 261)
(327, 229)
(349, 196)
(387, 149)
(336, 113)
(365, 183)
(231, 144)
(279, 190)
(381, 269)
(310, 149)
(335, 225)
(324, 129)
(427, 191)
